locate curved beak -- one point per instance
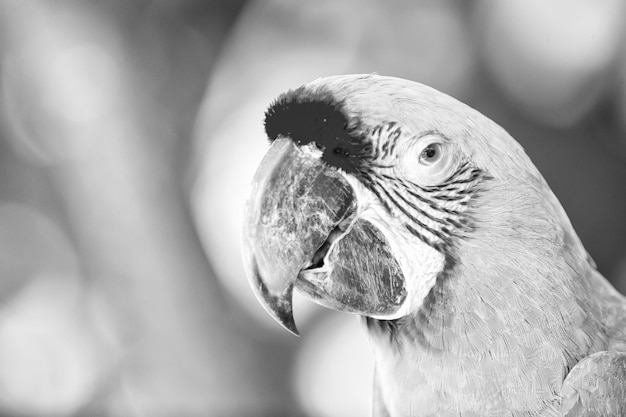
(301, 229)
(295, 204)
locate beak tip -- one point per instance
(278, 306)
(289, 324)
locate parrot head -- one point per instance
(372, 189)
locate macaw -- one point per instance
(388, 199)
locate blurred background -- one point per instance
(129, 131)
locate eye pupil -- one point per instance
(430, 154)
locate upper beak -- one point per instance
(295, 203)
(302, 229)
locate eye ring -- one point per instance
(431, 153)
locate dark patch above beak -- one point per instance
(301, 230)
(315, 116)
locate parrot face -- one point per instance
(388, 199)
(368, 187)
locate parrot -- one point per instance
(387, 199)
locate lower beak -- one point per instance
(301, 230)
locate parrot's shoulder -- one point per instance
(596, 386)
(611, 305)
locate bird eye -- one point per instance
(429, 159)
(431, 154)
